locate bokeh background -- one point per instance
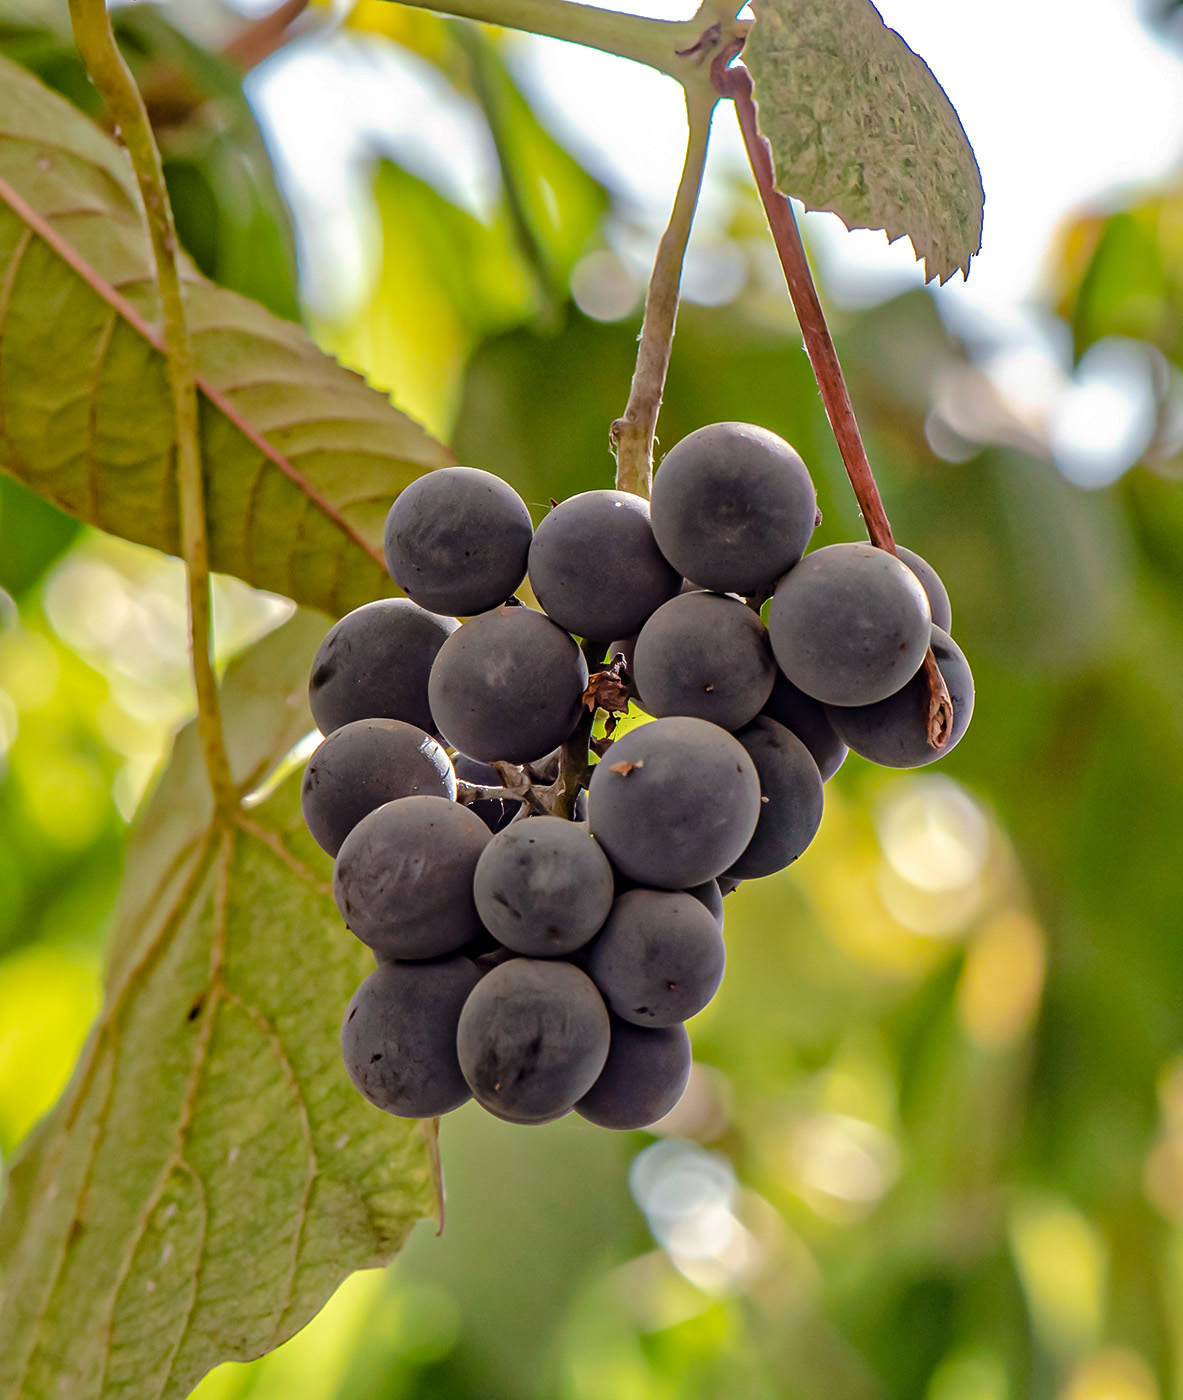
(933, 1143)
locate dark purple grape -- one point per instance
(533, 1038)
(807, 719)
(495, 812)
(643, 1077)
(674, 802)
(508, 685)
(710, 896)
(595, 567)
(894, 732)
(403, 878)
(850, 624)
(399, 1036)
(659, 958)
(364, 764)
(790, 799)
(543, 887)
(457, 540)
(704, 655)
(935, 590)
(733, 507)
(374, 664)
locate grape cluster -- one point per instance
(544, 926)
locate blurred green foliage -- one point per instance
(934, 1143)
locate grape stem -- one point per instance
(736, 82)
(632, 435)
(113, 78)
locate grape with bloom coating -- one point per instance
(533, 1038)
(894, 732)
(850, 624)
(457, 540)
(596, 568)
(403, 877)
(807, 719)
(705, 655)
(364, 764)
(936, 592)
(508, 685)
(643, 1077)
(374, 664)
(674, 802)
(733, 507)
(791, 799)
(659, 958)
(399, 1036)
(543, 887)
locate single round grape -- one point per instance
(364, 764)
(674, 802)
(495, 812)
(790, 799)
(705, 655)
(659, 958)
(543, 887)
(807, 719)
(894, 732)
(374, 664)
(733, 507)
(508, 685)
(850, 624)
(399, 1036)
(533, 1038)
(457, 540)
(935, 590)
(595, 566)
(403, 877)
(643, 1077)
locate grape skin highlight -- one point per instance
(399, 1036)
(595, 567)
(674, 802)
(457, 539)
(374, 664)
(508, 685)
(850, 624)
(543, 887)
(364, 764)
(643, 1078)
(733, 507)
(403, 877)
(533, 1038)
(659, 958)
(704, 655)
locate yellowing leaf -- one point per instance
(302, 459)
(210, 1175)
(859, 126)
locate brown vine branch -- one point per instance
(117, 87)
(266, 35)
(632, 434)
(736, 82)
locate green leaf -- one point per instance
(302, 459)
(859, 126)
(210, 1175)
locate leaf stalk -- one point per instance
(110, 74)
(632, 435)
(736, 82)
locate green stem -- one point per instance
(633, 434)
(117, 87)
(662, 44)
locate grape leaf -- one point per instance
(859, 126)
(302, 459)
(210, 1175)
